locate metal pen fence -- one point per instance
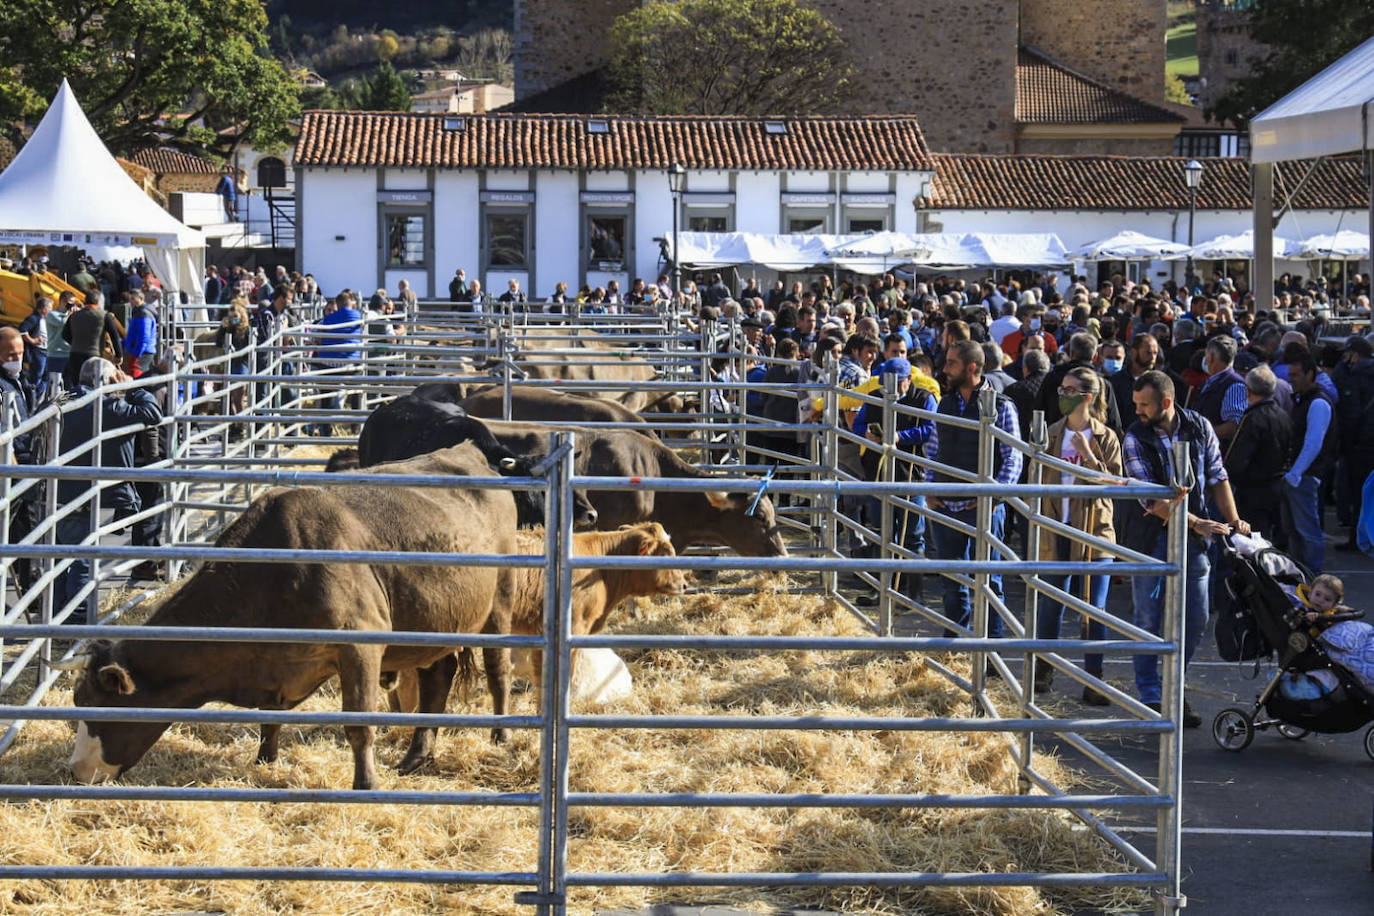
(211, 474)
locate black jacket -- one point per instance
(135, 407)
(1355, 409)
(1259, 454)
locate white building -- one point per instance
(580, 199)
(476, 97)
(1084, 199)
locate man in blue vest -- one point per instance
(1222, 398)
(1313, 450)
(958, 447)
(1147, 453)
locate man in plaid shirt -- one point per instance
(958, 447)
(1146, 454)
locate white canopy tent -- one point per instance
(64, 188)
(1236, 248)
(1330, 114)
(1128, 246)
(870, 254)
(1346, 245)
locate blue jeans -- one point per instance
(1147, 593)
(72, 530)
(1050, 616)
(954, 545)
(1302, 513)
(38, 371)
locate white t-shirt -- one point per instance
(1068, 453)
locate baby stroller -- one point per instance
(1308, 693)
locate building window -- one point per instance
(708, 220)
(405, 239)
(1232, 58)
(508, 234)
(807, 221)
(606, 235)
(271, 173)
(865, 223)
(1197, 145)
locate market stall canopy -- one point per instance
(1237, 248)
(64, 188)
(1340, 246)
(869, 253)
(1329, 114)
(1128, 246)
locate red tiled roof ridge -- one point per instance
(1074, 97)
(966, 181)
(165, 160)
(566, 141)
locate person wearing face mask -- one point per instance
(1111, 357)
(15, 388)
(1147, 453)
(1080, 349)
(1080, 438)
(1030, 318)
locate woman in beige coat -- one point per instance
(1081, 437)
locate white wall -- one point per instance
(756, 202)
(556, 235)
(339, 202)
(866, 183)
(910, 185)
(653, 217)
(457, 240)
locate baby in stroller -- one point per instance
(1348, 643)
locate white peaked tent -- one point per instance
(64, 188)
(1327, 115)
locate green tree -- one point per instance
(710, 57)
(384, 90)
(1302, 37)
(147, 71)
(1174, 90)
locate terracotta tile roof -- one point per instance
(965, 182)
(373, 138)
(164, 161)
(1047, 92)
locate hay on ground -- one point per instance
(601, 839)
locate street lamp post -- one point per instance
(677, 179)
(1192, 174)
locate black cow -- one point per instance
(410, 426)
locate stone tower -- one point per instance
(952, 63)
(1117, 42)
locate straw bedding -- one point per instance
(601, 839)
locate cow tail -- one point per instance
(467, 672)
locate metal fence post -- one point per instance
(1039, 439)
(551, 893)
(50, 506)
(176, 492)
(888, 465)
(97, 460)
(1169, 852)
(504, 351)
(830, 465)
(8, 413)
(987, 415)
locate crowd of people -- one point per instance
(1273, 414)
(1273, 411)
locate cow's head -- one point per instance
(649, 539)
(529, 504)
(746, 526)
(104, 750)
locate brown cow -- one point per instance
(596, 592)
(713, 518)
(542, 405)
(332, 596)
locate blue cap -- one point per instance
(898, 365)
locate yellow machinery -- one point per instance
(17, 293)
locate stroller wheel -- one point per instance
(1293, 732)
(1369, 742)
(1233, 730)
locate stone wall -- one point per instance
(556, 40)
(1095, 146)
(952, 63)
(1117, 42)
(1224, 48)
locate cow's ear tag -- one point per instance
(114, 679)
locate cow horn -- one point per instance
(77, 662)
(508, 464)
